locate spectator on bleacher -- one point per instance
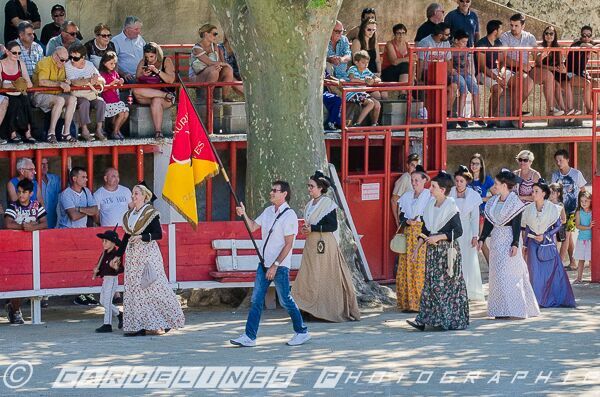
(518, 37)
(465, 19)
(113, 200)
(207, 63)
(115, 107)
(553, 62)
(129, 45)
(438, 39)
(3, 108)
(99, 46)
(67, 36)
(394, 65)
(154, 307)
(462, 75)
(435, 15)
(403, 184)
(52, 29)
(76, 203)
(25, 214)
(490, 67)
(228, 55)
(338, 52)
(25, 170)
(576, 67)
(18, 114)
(50, 192)
(365, 15)
(360, 73)
(31, 52)
(81, 72)
(154, 68)
(50, 72)
(332, 100)
(367, 41)
(17, 11)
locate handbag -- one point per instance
(398, 243)
(321, 243)
(546, 252)
(452, 256)
(91, 94)
(149, 276)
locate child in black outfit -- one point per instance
(109, 267)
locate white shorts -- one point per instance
(583, 250)
(488, 82)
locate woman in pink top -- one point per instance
(115, 107)
(395, 57)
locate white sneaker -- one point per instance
(299, 339)
(556, 112)
(244, 341)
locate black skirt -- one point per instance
(18, 115)
(393, 72)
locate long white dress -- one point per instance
(511, 293)
(468, 208)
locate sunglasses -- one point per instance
(275, 190)
(75, 59)
(63, 60)
(215, 34)
(371, 30)
(62, 14)
(523, 160)
(105, 36)
(549, 33)
(16, 52)
(72, 34)
(586, 35)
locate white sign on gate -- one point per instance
(370, 191)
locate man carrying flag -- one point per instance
(192, 161)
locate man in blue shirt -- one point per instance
(338, 52)
(50, 192)
(463, 18)
(130, 48)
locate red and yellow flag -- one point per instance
(192, 161)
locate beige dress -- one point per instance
(155, 307)
(324, 286)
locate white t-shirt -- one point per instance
(286, 225)
(572, 183)
(112, 205)
(74, 73)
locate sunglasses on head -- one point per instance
(74, 58)
(105, 36)
(148, 48)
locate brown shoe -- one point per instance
(86, 136)
(100, 136)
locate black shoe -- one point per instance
(44, 303)
(104, 328)
(492, 125)
(167, 330)
(120, 318)
(29, 140)
(117, 300)
(502, 317)
(463, 124)
(81, 300)
(17, 318)
(16, 139)
(416, 325)
(141, 332)
(452, 125)
(10, 313)
(91, 300)
(480, 123)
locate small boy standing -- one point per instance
(109, 267)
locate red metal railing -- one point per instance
(595, 262)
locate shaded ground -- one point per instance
(555, 354)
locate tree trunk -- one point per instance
(280, 46)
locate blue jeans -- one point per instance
(282, 284)
(466, 83)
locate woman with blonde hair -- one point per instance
(207, 63)
(528, 175)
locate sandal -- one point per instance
(68, 138)
(51, 138)
(29, 139)
(117, 136)
(158, 135)
(14, 139)
(170, 97)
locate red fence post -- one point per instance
(437, 104)
(595, 262)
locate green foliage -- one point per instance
(317, 3)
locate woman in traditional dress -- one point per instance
(323, 286)
(528, 175)
(444, 301)
(468, 202)
(548, 277)
(510, 292)
(403, 184)
(411, 270)
(149, 304)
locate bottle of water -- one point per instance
(422, 115)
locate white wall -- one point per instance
(44, 7)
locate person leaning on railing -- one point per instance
(50, 72)
(576, 66)
(154, 68)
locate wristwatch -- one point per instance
(276, 263)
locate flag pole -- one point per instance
(224, 173)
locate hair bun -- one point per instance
(462, 169)
(419, 168)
